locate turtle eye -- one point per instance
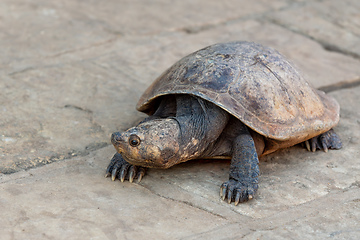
(134, 140)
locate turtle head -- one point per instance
(153, 144)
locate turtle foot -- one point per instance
(237, 191)
(119, 168)
(325, 141)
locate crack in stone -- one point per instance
(56, 65)
(183, 202)
(81, 48)
(97, 127)
(341, 85)
(41, 161)
(336, 233)
(327, 46)
(78, 108)
(200, 235)
(194, 29)
(333, 48)
(283, 218)
(21, 71)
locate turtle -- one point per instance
(236, 100)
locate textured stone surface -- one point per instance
(335, 24)
(71, 74)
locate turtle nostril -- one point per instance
(115, 137)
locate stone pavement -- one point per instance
(71, 73)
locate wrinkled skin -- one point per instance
(185, 128)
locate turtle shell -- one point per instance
(254, 83)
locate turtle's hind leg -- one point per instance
(325, 141)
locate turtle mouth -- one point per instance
(142, 163)
(118, 141)
(146, 162)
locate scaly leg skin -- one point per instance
(325, 141)
(244, 171)
(119, 168)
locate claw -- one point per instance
(237, 198)
(307, 144)
(113, 174)
(250, 194)
(108, 170)
(325, 147)
(325, 141)
(313, 144)
(123, 174)
(132, 174)
(223, 194)
(140, 174)
(229, 196)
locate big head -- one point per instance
(153, 144)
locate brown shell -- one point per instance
(254, 83)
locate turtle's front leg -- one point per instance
(119, 168)
(244, 171)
